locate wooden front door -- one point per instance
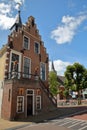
(29, 105)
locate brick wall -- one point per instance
(6, 102)
(9, 106)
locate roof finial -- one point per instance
(18, 22)
(18, 6)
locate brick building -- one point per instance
(24, 72)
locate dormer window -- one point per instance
(37, 48)
(26, 43)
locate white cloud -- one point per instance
(60, 66)
(5, 8)
(6, 22)
(67, 30)
(7, 17)
(19, 1)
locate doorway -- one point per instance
(30, 102)
(29, 105)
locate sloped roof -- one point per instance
(61, 79)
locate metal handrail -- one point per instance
(50, 95)
(19, 75)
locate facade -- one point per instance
(25, 73)
(2, 70)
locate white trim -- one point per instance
(23, 104)
(6, 64)
(29, 66)
(28, 43)
(32, 101)
(7, 52)
(7, 58)
(6, 70)
(18, 53)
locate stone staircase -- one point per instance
(48, 93)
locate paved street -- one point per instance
(43, 126)
(57, 124)
(66, 118)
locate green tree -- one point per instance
(53, 83)
(66, 93)
(85, 80)
(75, 78)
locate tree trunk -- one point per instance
(79, 97)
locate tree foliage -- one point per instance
(53, 83)
(76, 77)
(66, 93)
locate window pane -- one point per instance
(38, 102)
(26, 67)
(29, 92)
(43, 73)
(37, 48)
(26, 43)
(14, 58)
(20, 104)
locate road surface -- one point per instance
(57, 124)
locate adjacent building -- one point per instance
(60, 80)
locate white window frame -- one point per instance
(28, 43)
(22, 104)
(30, 90)
(29, 68)
(19, 66)
(39, 96)
(41, 70)
(38, 48)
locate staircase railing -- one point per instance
(49, 94)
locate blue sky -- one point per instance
(61, 23)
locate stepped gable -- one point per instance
(31, 27)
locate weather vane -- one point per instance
(18, 5)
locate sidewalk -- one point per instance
(59, 112)
(4, 124)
